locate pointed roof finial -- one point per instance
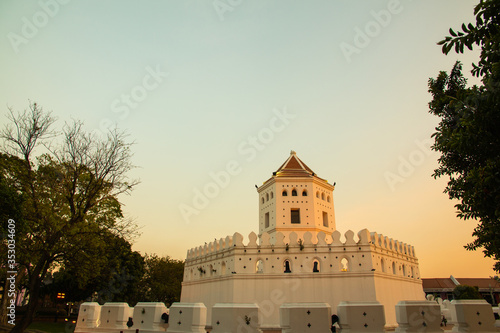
(292, 152)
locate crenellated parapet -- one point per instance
(311, 253)
(386, 243)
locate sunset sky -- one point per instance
(224, 89)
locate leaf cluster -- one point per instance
(483, 33)
(466, 292)
(116, 278)
(162, 280)
(467, 136)
(64, 192)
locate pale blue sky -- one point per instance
(193, 84)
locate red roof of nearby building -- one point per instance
(447, 283)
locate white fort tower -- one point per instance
(296, 200)
(299, 256)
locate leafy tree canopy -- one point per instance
(466, 292)
(162, 280)
(468, 135)
(66, 199)
(118, 281)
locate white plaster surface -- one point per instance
(472, 316)
(88, 316)
(232, 318)
(361, 316)
(147, 316)
(187, 317)
(305, 317)
(115, 315)
(418, 316)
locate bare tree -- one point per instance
(71, 196)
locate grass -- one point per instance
(51, 327)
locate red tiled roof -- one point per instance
(294, 167)
(481, 283)
(437, 283)
(447, 283)
(294, 164)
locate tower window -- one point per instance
(294, 193)
(344, 264)
(259, 266)
(287, 268)
(315, 266)
(328, 198)
(267, 220)
(267, 196)
(325, 219)
(317, 194)
(295, 215)
(284, 193)
(322, 196)
(304, 193)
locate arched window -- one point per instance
(223, 268)
(262, 199)
(284, 193)
(322, 196)
(259, 266)
(287, 266)
(294, 193)
(315, 266)
(267, 196)
(317, 194)
(344, 265)
(394, 268)
(272, 195)
(304, 193)
(328, 198)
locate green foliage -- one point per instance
(66, 200)
(484, 32)
(117, 281)
(466, 292)
(10, 198)
(467, 136)
(162, 280)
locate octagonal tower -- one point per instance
(296, 200)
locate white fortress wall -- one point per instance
(323, 268)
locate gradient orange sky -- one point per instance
(211, 86)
